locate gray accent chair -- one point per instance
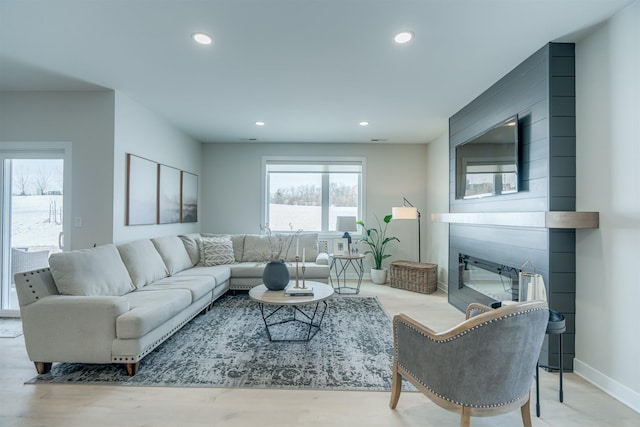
(482, 367)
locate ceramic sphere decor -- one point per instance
(275, 275)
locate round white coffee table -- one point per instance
(271, 302)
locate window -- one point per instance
(309, 194)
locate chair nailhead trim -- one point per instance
(495, 405)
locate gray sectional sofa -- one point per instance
(115, 304)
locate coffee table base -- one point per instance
(313, 321)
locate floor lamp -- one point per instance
(408, 211)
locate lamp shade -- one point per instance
(346, 223)
(404, 212)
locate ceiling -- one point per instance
(312, 70)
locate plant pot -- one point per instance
(275, 276)
(379, 277)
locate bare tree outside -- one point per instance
(21, 181)
(42, 180)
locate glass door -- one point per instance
(32, 214)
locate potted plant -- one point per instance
(377, 240)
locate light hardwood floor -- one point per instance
(96, 406)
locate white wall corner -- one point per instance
(610, 386)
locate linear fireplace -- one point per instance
(497, 281)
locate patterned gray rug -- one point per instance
(228, 347)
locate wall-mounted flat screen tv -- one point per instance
(487, 164)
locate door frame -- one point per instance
(32, 150)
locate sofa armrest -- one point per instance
(72, 328)
(322, 258)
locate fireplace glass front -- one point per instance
(496, 281)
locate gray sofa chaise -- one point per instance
(115, 304)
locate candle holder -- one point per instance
(297, 260)
(303, 269)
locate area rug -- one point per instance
(10, 328)
(229, 347)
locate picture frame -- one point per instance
(169, 188)
(188, 197)
(341, 246)
(142, 191)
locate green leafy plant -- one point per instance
(377, 240)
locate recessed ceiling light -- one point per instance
(202, 38)
(364, 123)
(403, 37)
(259, 123)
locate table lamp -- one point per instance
(346, 224)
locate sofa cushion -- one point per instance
(91, 272)
(248, 269)
(308, 241)
(261, 248)
(221, 273)
(312, 271)
(199, 286)
(215, 251)
(191, 245)
(173, 253)
(143, 262)
(148, 310)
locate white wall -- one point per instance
(438, 202)
(232, 179)
(86, 120)
(608, 159)
(139, 131)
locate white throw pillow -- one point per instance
(215, 251)
(173, 253)
(307, 241)
(190, 242)
(143, 262)
(91, 272)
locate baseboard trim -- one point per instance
(444, 287)
(610, 386)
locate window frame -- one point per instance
(301, 160)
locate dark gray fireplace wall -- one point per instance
(541, 90)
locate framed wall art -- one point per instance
(142, 191)
(169, 195)
(189, 198)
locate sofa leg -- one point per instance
(43, 367)
(132, 368)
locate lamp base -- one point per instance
(347, 236)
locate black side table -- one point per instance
(557, 326)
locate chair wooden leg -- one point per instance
(396, 387)
(465, 418)
(525, 411)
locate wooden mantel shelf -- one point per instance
(523, 219)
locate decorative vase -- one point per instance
(379, 277)
(275, 276)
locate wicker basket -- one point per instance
(414, 276)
